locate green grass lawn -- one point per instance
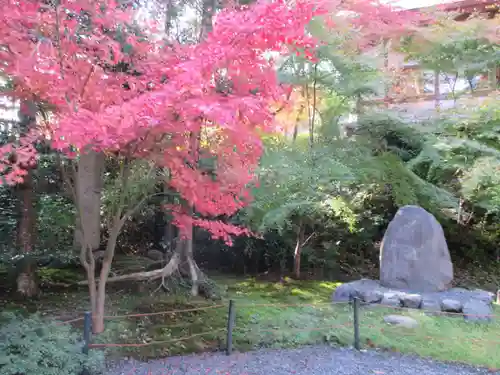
(440, 337)
(286, 315)
(292, 314)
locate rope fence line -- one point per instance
(143, 315)
(376, 305)
(242, 306)
(139, 345)
(103, 345)
(353, 322)
(249, 305)
(64, 322)
(310, 329)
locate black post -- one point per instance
(230, 325)
(87, 329)
(356, 323)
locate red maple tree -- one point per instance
(115, 89)
(212, 99)
(51, 56)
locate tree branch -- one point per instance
(166, 271)
(131, 211)
(58, 39)
(307, 239)
(313, 117)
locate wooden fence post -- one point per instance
(356, 323)
(87, 331)
(230, 326)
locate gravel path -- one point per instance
(306, 361)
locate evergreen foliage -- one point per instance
(32, 345)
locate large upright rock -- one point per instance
(414, 254)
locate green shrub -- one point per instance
(32, 345)
(59, 275)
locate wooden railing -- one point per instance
(427, 97)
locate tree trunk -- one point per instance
(26, 279)
(169, 229)
(297, 121)
(88, 185)
(194, 271)
(97, 287)
(88, 181)
(312, 111)
(169, 16)
(437, 91)
(387, 85)
(26, 269)
(169, 236)
(91, 282)
(208, 10)
(298, 251)
(186, 255)
(100, 295)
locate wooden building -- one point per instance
(408, 82)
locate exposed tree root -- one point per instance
(164, 272)
(181, 262)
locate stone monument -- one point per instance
(416, 271)
(414, 254)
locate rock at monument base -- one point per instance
(476, 310)
(430, 305)
(371, 296)
(365, 289)
(401, 320)
(475, 305)
(414, 254)
(343, 293)
(484, 296)
(391, 299)
(451, 305)
(412, 301)
(461, 293)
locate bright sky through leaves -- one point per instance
(411, 4)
